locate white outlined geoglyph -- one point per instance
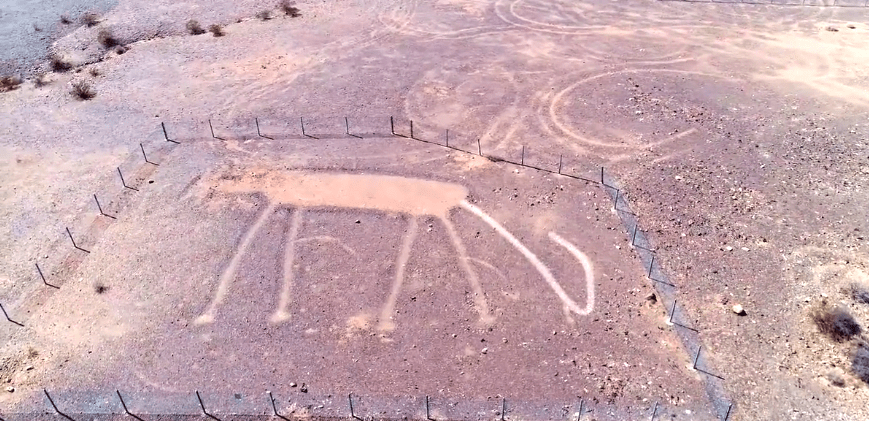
(408, 196)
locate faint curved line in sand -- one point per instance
(669, 58)
(413, 103)
(328, 239)
(404, 20)
(535, 25)
(155, 385)
(489, 266)
(484, 31)
(511, 111)
(403, 26)
(556, 101)
(538, 26)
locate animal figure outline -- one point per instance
(410, 196)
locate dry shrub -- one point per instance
(64, 19)
(121, 50)
(94, 72)
(217, 30)
(860, 363)
(495, 158)
(41, 80)
(58, 63)
(194, 27)
(107, 39)
(82, 90)
(9, 83)
(264, 15)
(90, 19)
(290, 9)
(836, 323)
(860, 292)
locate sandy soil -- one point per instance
(737, 132)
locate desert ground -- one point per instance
(445, 209)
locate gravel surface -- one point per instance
(28, 28)
(737, 133)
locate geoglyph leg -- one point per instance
(541, 268)
(464, 262)
(282, 313)
(386, 324)
(229, 273)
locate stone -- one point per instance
(484, 351)
(10, 389)
(738, 310)
(293, 384)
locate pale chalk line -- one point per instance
(386, 324)
(281, 314)
(464, 261)
(541, 268)
(232, 268)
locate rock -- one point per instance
(10, 389)
(484, 351)
(652, 298)
(358, 221)
(832, 29)
(293, 384)
(304, 388)
(738, 310)
(729, 248)
(29, 367)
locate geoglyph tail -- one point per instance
(541, 268)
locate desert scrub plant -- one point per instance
(860, 292)
(217, 30)
(836, 323)
(58, 63)
(90, 19)
(64, 19)
(107, 39)
(82, 90)
(290, 9)
(860, 363)
(264, 15)
(41, 79)
(194, 27)
(9, 83)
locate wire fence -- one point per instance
(405, 130)
(805, 3)
(270, 405)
